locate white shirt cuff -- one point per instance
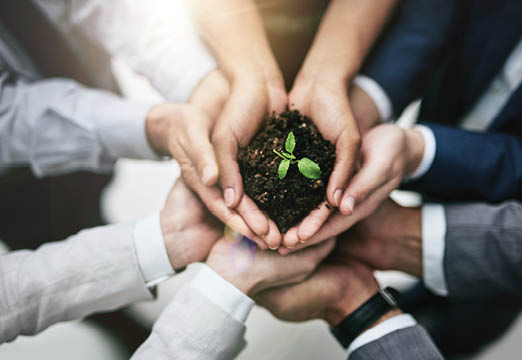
(124, 132)
(377, 94)
(386, 327)
(151, 251)
(433, 244)
(430, 147)
(222, 293)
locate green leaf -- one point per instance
(309, 168)
(283, 168)
(290, 143)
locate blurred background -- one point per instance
(138, 188)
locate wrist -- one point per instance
(240, 280)
(407, 253)
(339, 309)
(317, 66)
(388, 315)
(415, 150)
(364, 109)
(158, 124)
(257, 72)
(179, 253)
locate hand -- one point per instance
(389, 239)
(183, 131)
(250, 101)
(252, 271)
(320, 91)
(234, 30)
(188, 229)
(387, 154)
(326, 103)
(331, 294)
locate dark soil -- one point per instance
(291, 199)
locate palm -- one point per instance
(373, 239)
(328, 107)
(307, 300)
(187, 222)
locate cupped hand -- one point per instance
(183, 131)
(251, 271)
(326, 103)
(188, 229)
(389, 239)
(251, 100)
(335, 290)
(387, 154)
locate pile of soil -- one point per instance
(289, 200)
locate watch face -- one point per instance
(389, 297)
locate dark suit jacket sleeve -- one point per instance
(483, 252)
(405, 56)
(411, 343)
(473, 166)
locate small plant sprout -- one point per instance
(306, 166)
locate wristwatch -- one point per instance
(365, 315)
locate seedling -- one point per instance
(306, 166)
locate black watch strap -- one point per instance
(365, 315)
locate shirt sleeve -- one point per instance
(223, 294)
(151, 252)
(433, 246)
(204, 321)
(155, 38)
(386, 327)
(93, 271)
(58, 126)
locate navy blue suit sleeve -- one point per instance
(473, 166)
(408, 52)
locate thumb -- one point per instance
(200, 150)
(226, 150)
(371, 177)
(347, 151)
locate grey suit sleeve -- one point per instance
(193, 327)
(411, 343)
(95, 270)
(57, 126)
(483, 250)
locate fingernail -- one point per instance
(283, 251)
(273, 247)
(349, 203)
(229, 196)
(208, 173)
(302, 241)
(337, 197)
